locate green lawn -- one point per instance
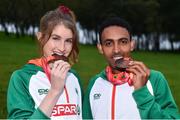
(16, 52)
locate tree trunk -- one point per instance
(138, 43)
(17, 31)
(147, 41)
(157, 39)
(5, 28)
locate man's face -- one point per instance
(116, 44)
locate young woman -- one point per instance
(47, 87)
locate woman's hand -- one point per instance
(141, 73)
(58, 75)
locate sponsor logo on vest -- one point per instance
(42, 91)
(66, 109)
(97, 96)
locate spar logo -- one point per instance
(66, 109)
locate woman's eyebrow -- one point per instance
(55, 35)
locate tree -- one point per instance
(170, 16)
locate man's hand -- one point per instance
(141, 73)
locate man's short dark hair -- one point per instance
(115, 21)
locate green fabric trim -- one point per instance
(143, 96)
(38, 114)
(103, 75)
(18, 94)
(32, 67)
(80, 84)
(159, 106)
(87, 114)
(79, 80)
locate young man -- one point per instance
(126, 89)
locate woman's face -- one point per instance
(60, 42)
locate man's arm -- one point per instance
(161, 104)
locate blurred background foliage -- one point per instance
(151, 18)
(153, 22)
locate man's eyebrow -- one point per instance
(108, 39)
(123, 38)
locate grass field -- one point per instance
(16, 52)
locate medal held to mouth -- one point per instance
(55, 57)
(123, 76)
(46, 61)
(122, 64)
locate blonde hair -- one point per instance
(61, 15)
